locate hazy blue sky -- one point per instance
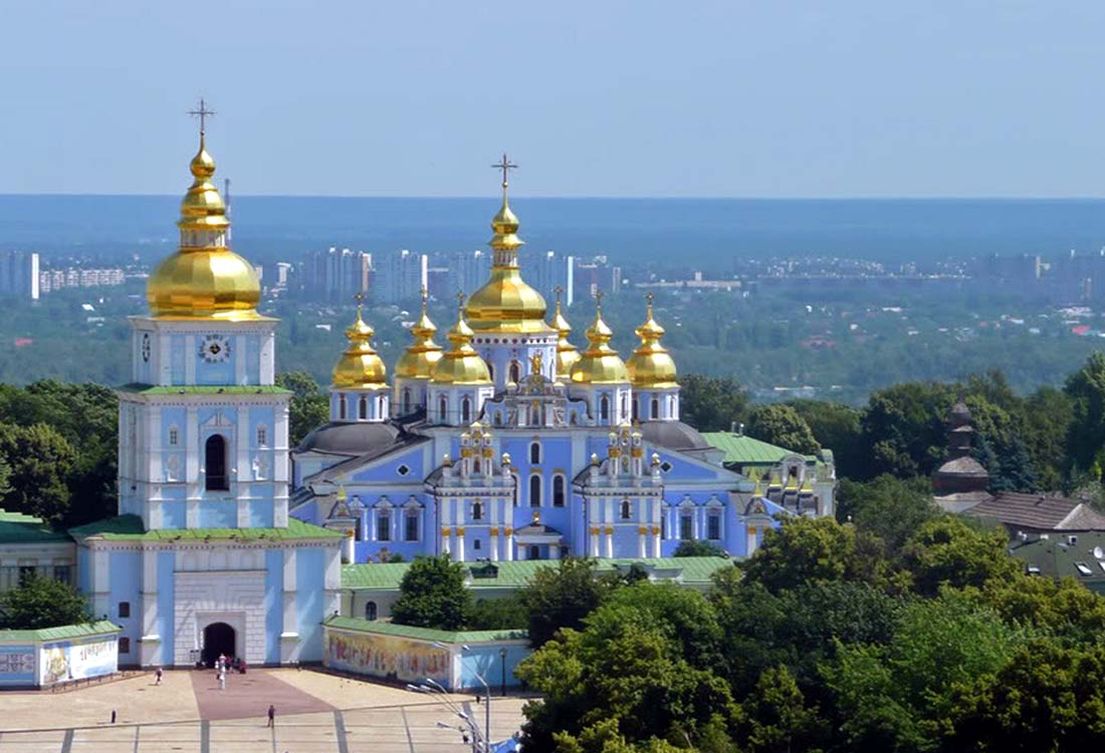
(595, 98)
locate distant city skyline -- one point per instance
(621, 98)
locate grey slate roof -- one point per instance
(1039, 512)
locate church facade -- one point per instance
(203, 558)
(511, 444)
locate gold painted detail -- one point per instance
(462, 364)
(494, 531)
(599, 364)
(566, 353)
(508, 531)
(423, 353)
(360, 366)
(656, 530)
(460, 530)
(651, 365)
(204, 279)
(642, 530)
(594, 530)
(609, 530)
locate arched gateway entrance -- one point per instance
(218, 638)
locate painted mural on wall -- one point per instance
(387, 656)
(17, 665)
(65, 661)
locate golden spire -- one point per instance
(599, 364)
(651, 365)
(420, 356)
(566, 353)
(462, 364)
(360, 366)
(506, 304)
(204, 279)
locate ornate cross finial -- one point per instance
(460, 300)
(359, 298)
(505, 165)
(649, 296)
(558, 290)
(202, 113)
(424, 294)
(598, 298)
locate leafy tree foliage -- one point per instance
(506, 613)
(804, 550)
(40, 602)
(836, 427)
(946, 551)
(560, 597)
(887, 507)
(781, 425)
(432, 594)
(40, 460)
(697, 548)
(711, 403)
(309, 407)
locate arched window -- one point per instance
(625, 509)
(341, 407)
(515, 372)
(465, 410)
(635, 412)
(370, 611)
(534, 491)
(262, 436)
(214, 458)
(655, 409)
(558, 491)
(625, 405)
(410, 524)
(442, 408)
(477, 511)
(406, 401)
(535, 453)
(534, 552)
(491, 372)
(604, 408)
(383, 524)
(363, 408)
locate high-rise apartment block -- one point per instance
(19, 275)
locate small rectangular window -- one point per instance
(124, 609)
(26, 572)
(174, 437)
(686, 527)
(124, 645)
(713, 527)
(383, 527)
(476, 545)
(410, 530)
(62, 573)
(262, 436)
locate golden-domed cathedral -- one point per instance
(507, 442)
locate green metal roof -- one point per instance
(63, 633)
(516, 574)
(201, 389)
(129, 528)
(18, 528)
(741, 449)
(425, 634)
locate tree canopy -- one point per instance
(40, 602)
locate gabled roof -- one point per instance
(1039, 512)
(17, 528)
(741, 449)
(64, 632)
(517, 573)
(129, 528)
(1056, 557)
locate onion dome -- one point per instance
(566, 353)
(360, 366)
(420, 356)
(204, 279)
(462, 364)
(599, 364)
(506, 303)
(651, 365)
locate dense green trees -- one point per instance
(432, 594)
(560, 597)
(781, 425)
(309, 407)
(40, 602)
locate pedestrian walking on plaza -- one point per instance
(157, 674)
(113, 716)
(272, 715)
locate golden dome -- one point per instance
(566, 353)
(360, 366)
(651, 365)
(506, 303)
(204, 279)
(462, 364)
(599, 364)
(418, 360)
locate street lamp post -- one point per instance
(430, 687)
(502, 668)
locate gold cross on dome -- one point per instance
(649, 296)
(558, 290)
(505, 165)
(460, 300)
(598, 297)
(202, 113)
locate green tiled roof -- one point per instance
(63, 633)
(17, 528)
(744, 450)
(129, 528)
(516, 574)
(200, 389)
(425, 634)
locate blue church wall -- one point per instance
(388, 469)
(177, 348)
(84, 570)
(260, 416)
(274, 604)
(124, 569)
(218, 514)
(218, 373)
(687, 470)
(173, 417)
(310, 574)
(308, 512)
(485, 660)
(260, 513)
(166, 565)
(229, 412)
(253, 359)
(174, 514)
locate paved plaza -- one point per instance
(315, 713)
